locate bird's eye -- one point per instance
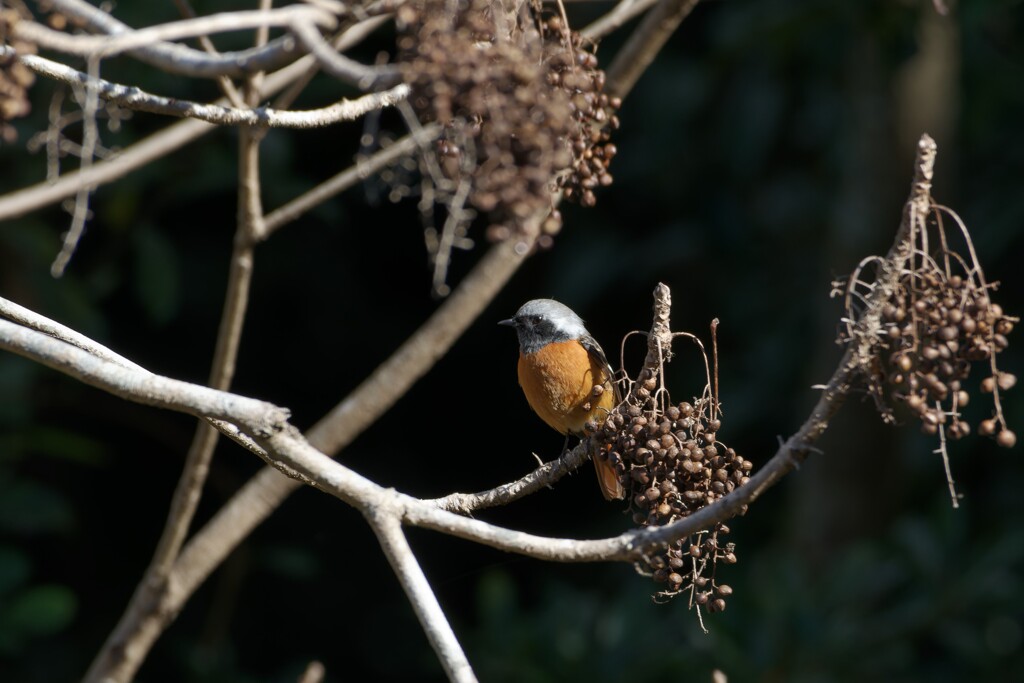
(535, 319)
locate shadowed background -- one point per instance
(767, 151)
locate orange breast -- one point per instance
(559, 381)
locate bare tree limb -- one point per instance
(125, 41)
(180, 59)
(644, 44)
(622, 13)
(421, 596)
(337, 65)
(34, 321)
(285, 446)
(542, 477)
(134, 98)
(141, 387)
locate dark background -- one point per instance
(766, 152)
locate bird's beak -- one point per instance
(508, 323)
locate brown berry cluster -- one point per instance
(574, 69)
(521, 108)
(938, 322)
(15, 78)
(935, 331)
(671, 463)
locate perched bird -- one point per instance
(565, 375)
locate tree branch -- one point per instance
(542, 477)
(180, 59)
(141, 387)
(632, 60)
(137, 99)
(622, 13)
(128, 40)
(421, 596)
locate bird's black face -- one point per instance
(541, 322)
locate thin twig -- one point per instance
(542, 477)
(89, 99)
(344, 180)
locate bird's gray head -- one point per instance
(543, 321)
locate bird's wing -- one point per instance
(599, 357)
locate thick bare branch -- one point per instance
(142, 387)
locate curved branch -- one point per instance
(128, 40)
(181, 59)
(140, 386)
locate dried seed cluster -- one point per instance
(938, 322)
(15, 78)
(573, 68)
(672, 464)
(935, 333)
(523, 110)
(922, 324)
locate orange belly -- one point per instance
(559, 382)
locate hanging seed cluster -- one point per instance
(938, 324)
(672, 464)
(574, 69)
(15, 78)
(523, 113)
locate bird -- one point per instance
(565, 375)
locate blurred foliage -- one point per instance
(766, 151)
